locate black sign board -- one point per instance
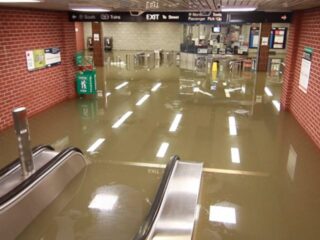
(207, 17)
(184, 17)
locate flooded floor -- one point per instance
(261, 170)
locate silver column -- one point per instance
(22, 131)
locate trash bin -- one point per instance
(86, 82)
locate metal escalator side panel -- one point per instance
(177, 214)
(38, 194)
(146, 227)
(16, 163)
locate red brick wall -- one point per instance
(304, 32)
(22, 30)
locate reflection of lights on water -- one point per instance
(122, 119)
(227, 93)
(268, 92)
(142, 100)
(96, 144)
(292, 162)
(162, 150)
(103, 202)
(276, 104)
(222, 214)
(175, 123)
(121, 85)
(235, 156)
(232, 126)
(156, 87)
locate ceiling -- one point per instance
(173, 5)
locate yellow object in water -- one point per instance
(214, 67)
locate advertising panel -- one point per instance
(305, 69)
(42, 58)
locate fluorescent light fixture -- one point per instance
(96, 144)
(142, 100)
(20, 1)
(108, 94)
(175, 123)
(121, 85)
(238, 9)
(222, 214)
(162, 150)
(232, 126)
(235, 156)
(122, 119)
(227, 93)
(156, 87)
(103, 202)
(268, 92)
(276, 104)
(89, 9)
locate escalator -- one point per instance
(47, 194)
(23, 198)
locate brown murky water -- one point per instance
(261, 169)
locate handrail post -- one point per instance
(22, 131)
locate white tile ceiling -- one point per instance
(175, 5)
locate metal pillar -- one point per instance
(22, 131)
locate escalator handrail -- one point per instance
(16, 162)
(39, 173)
(146, 227)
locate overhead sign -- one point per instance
(185, 17)
(305, 69)
(42, 58)
(149, 17)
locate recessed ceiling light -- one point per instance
(89, 9)
(20, 1)
(231, 9)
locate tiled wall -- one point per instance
(142, 36)
(304, 32)
(22, 30)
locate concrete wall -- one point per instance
(142, 36)
(304, 32)
(23, 30)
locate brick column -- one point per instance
(264, 50)
(290, 61)
(68, 56)
(97, 38)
